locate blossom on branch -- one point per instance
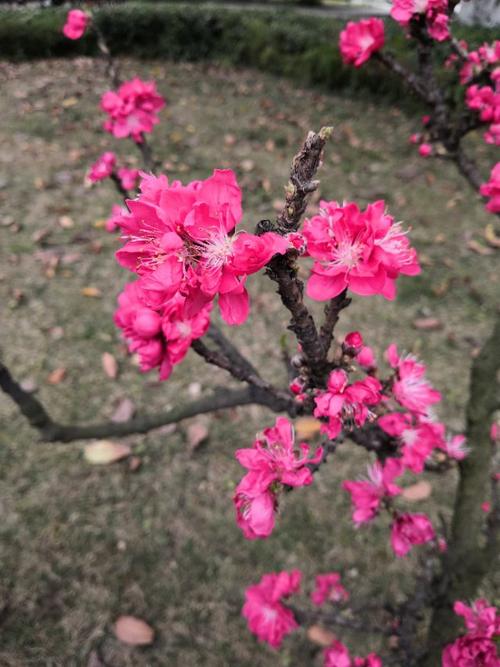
(181, 240)
(479, 645)
(272, 463)
(102, 168)
(367, 495)
(364, 251)
(418, 437)
(328, 589)
(76, 24)
(132, 109)
(491, 189)
(337, 655)
(410, 387)
(360, 40)
(435, 12)
(486, 101)
(408, 530)
(266, 616)
(118, 213)
(346, 404)
(128, 178)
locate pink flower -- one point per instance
(455, 447)
(337, 655)
(353, 342)
(418, 438)
(363, 251)
(495, 432)
(435, 11)
(491, 189)
(266, 616)
(471, 652)
(328, 589)
(128, 178)
(410, 388)
(181, 240)
(408, 530)
(132, 109)
(425, 150)
(360, 40)
(367, 495)
(486, 101)
(371, 660)
(271, 463)
(344, 404)
(102, 168)
(76, 23)
(366, 358)
(118, 213)
(481, 618)
(159, 334)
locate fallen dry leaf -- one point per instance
(92, 292)
(57, 376)
(427, 323)
(110, 365)
(69, 102)
(134, 463)
(247, 165)
(419, 491)
(491, 237)
(103, 452)
(320, 636)
(479, 248)
(66, 222)
(197, 433)
(307, 427)
(133, 631)
(124, 411)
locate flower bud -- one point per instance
(147, 323)
(353, 343)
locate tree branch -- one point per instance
(332, 314)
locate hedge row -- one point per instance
(278, 41)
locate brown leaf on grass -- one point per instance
(479, 248)
(57, 375)
(427, 323)
(419, 491)
(69, 102)
(66, 222)
(491, 238)
(196, 433)
(133, 631)
(247, 165)
(109, 365)
(124, 411)
(134, 463)
(318, 635)
(103, 452)
(92, 292)
(307, 427)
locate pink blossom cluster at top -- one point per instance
(104, 167)
(484, 58)
(159, 333)
(435, 12)
(337, 655)
(491, 189)
(478, 647)
(76, 24)
(360, 40)
(266, 616)
(364, 251)
(181, 240)
(272, 462)
(132, 109)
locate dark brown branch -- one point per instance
(147, 154)
(468, 168)
(332, 314)
(412, 80)
(119, 187)
(51, 431)
(111, 66)
(467, 560)
(231, 351)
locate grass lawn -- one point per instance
(81, 545)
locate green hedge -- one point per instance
(279, 41)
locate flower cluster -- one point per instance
(337, 655)
(408, 530)
(364, 251)
(491, 189)
(479, 645)
(272, 463)
(435, 12)
(159, 333)
(181, 239)
(76, 24)
(360, 40)
(344, 404)
(104, 167)
(486, 101)
(484, 58)
(132, 109)
(267, 617)
(368, 495)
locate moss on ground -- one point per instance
(80, 545)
